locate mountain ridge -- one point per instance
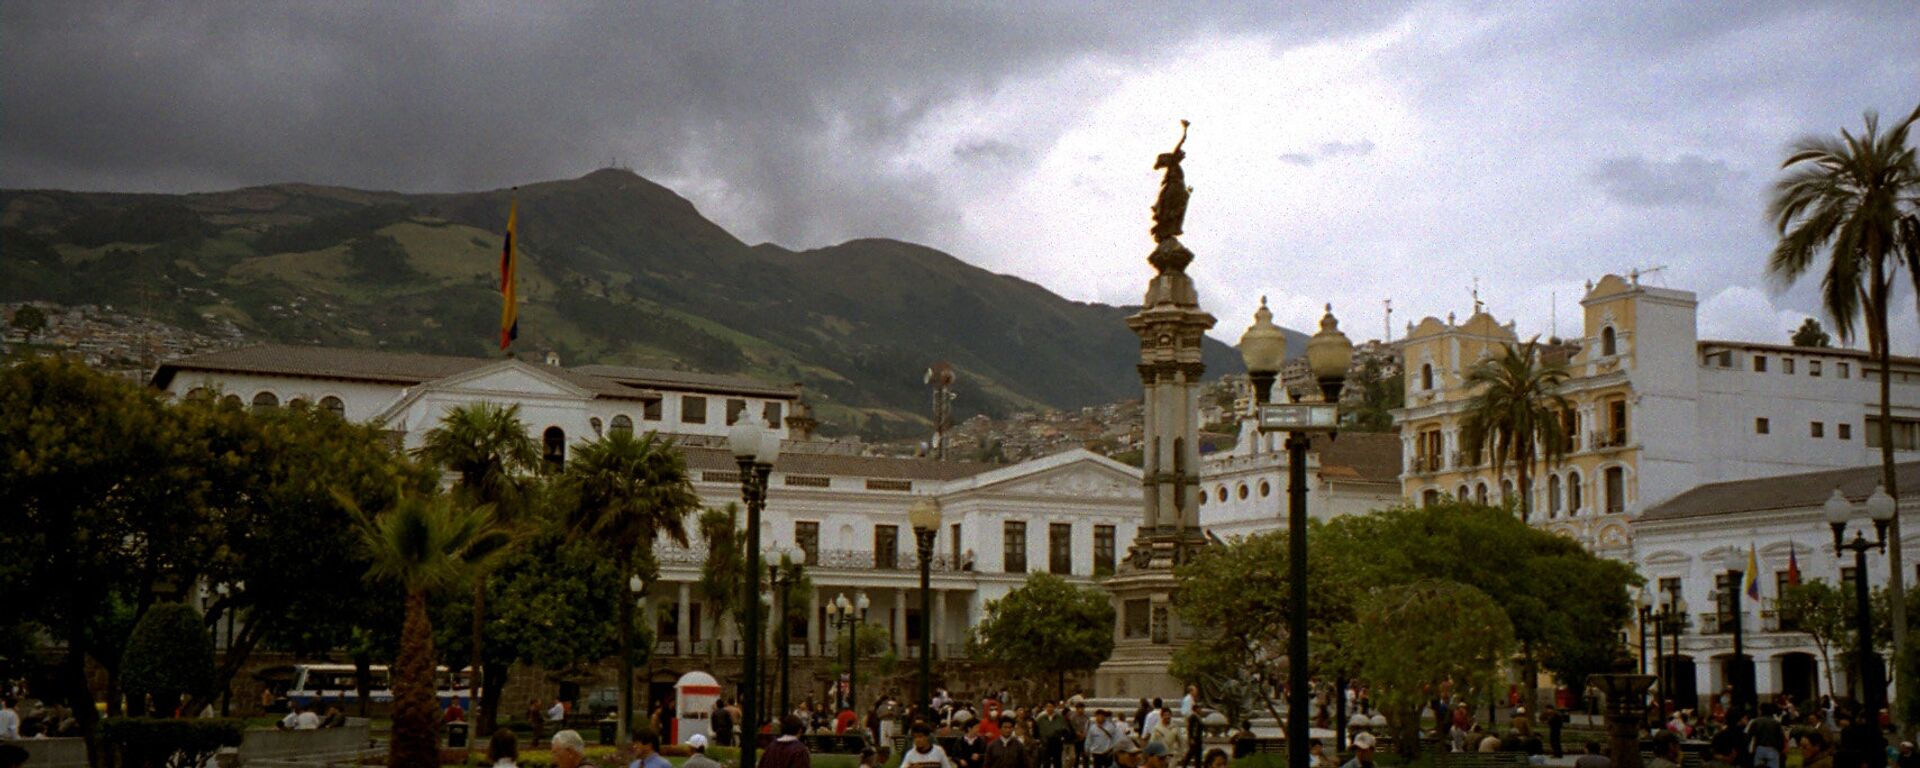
(616, 269)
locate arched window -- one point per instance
(1609, 345)
(622, 425)
(1222, 497)
(1573, 494)
(595, 424)
(265, 401)
(334, 405)
(231, 400)
(1429, 497)
(1426, 376)
(1462, 494)
(1506, 491)
(1480, 493)
(554, 446)
(1553, 496)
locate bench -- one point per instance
(1480, 760)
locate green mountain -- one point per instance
(614, 269)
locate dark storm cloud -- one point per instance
(784, 119)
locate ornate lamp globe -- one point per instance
(1880, 506)
(924, 514)
(1264, 346)
(1329, 354)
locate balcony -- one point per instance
(1611, 438)
(829, 559)
(1425, 464)
(797, 649)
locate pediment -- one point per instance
(508, 376)
(1082, 480)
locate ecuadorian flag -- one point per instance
(509, 267)
(1753, 572)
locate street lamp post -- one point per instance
(780, 576)
(623, 731)
(850, 616)
(1839, 511)
(1329, 355)
(754, 449)
(1646, 612)
(925, 517)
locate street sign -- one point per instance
(1299, 417)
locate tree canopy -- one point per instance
(1047, 625)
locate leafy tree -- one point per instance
(168, 661)
(103, 506)
(487, 445)
(1046, 625)
(623, 492)
(29, 321)
(424, 544)
(874, 642)
(1819, 610)
(1851, 203)
(1810, 334)
(1408, 640)
(1517, 413)
(1238, 596)
(720, 575)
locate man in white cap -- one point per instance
(699, 758)
(1362, 751)
(569, 750)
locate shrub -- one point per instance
(141, 742)
(168, 655)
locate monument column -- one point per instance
(1171, 327)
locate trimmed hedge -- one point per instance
(168, 655)
(143, 742)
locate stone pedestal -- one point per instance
(1145, 634)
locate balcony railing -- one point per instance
(1424, 463)
(832, 559)
(1611, 438)
(829, 649)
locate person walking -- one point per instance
(723, 725)
(1768, 737)
(1555, 720)
(1196, 735)
(924, 753)
(1011, 749)
(788, 751)
(699, 759)
(1102, 736)
(1362, 751)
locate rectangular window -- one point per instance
(806, 536)
(735, 407)
(1725, 586)
(1843, 370)
(1617, 422)
(772, 412)
(1813, 368)
(651, 411)
(1013, 547)
(1060, 548)
(1759, 363)
(1786, 365)
(1846, 431)
(954, 544)
(1616, 489)
(1103, 550)
(1906, 433)
(1761, 426)
(1819, 429)
(693, 409)
(1787, 621)
(1138, 618)
(886, 546)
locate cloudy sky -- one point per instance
(1341, 152)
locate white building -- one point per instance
(1657, 411)
(845, 515)
(1243, 491)
(1684, 545)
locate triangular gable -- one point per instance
(1078, 473)
(506, 380)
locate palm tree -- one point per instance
(1517, 415)
(720, 577)
(1854, 201)
(487, 445)
(623, 493)
(424, 544)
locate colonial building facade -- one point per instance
(1656, 411)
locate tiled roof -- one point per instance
(1368, 456)
(1797, 491)
(410, 369)
(835, 465)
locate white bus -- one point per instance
(323, 683)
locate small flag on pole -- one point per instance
(1793, 566)
(1753, 572)
(509, 267)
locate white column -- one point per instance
(900, 622)
(684, 615)
(939, 620)
(814, 630)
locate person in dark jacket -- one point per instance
(788, 751)
(1012, 749)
